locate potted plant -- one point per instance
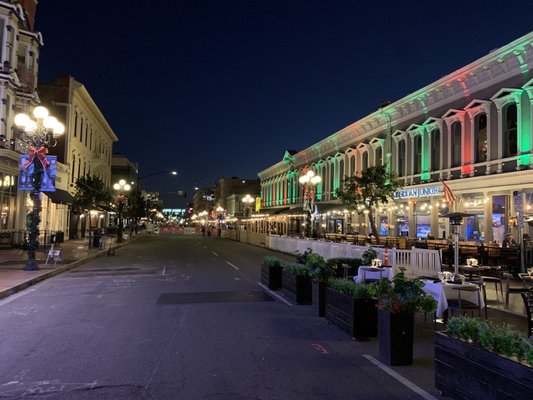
(398, 303)
(271, 272)
(478, 359)
(300, 257)
(321, 272)
(296, 283)
(368, 255)
(352, 307)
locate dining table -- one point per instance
(472, 270)
(367, 272)
(444, 291)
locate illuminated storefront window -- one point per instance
(8, 195)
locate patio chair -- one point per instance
(494, 275)
(528, 303)
(512, 286)
(463, 306)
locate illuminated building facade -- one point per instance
(19, 47)
(472, 129)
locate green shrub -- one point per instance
(338, 261)
(301, 258)
(296, 269)
(502, 339)
(356, 290)
(368, 255)
(270, 261)
(318, 268)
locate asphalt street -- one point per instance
(183, 317)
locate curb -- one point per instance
(26, 284)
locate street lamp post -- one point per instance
(38, 136)
(120, 187)
(309, 181)
(247, 200)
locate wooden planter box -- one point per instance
(271, 276)
(465, 371)
(319, 298)
(296, 288)
(395, 333)
(358, 317)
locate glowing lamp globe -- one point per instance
(40, 112)
(59, 129)
(21, 120)
(50, 122)
(116, 186)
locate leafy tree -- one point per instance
(365, 191)
(92, 194)
(136, 205)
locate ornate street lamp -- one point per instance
(247, 200)
(309, 181)
(120, 187)
(38, 136)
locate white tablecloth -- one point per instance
(444, 292)
(363, 275)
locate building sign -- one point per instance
(48, 184)
(416, 193)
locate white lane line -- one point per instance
(274, 294)
(214, 253)
(164, 270)
(234, 266)
(417, 389)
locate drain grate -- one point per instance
(213, 297)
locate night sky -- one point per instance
(217, 88)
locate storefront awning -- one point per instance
(60, 197)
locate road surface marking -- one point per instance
(214, 253)
(234, 266)
(237, 279)
(164, 270)
(319, 348)
(418, 390)
(274, 294)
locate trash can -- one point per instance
(96, 239)
(60, 237)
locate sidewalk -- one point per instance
(74, 252)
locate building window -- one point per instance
(365, 161)
(456, 144)
(480, 140)
(352, 166)
(332, 178)
(379, 156)
(81, 130)
(73, 168)
(76, 124)
(417, 148)
(341, 173)
(510, 130)
(435, 150)
(401, 157)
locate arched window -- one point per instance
(480, 141)
(81, 130)
(456, 144)
(76, 124)
(379, 156)
(352, 166)
(79, 167)
(341, 173)
(401, 157)
(510, 130)
(417, 149)
(332, 178)
(435, 150)
(73, 168)
(365, 161)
